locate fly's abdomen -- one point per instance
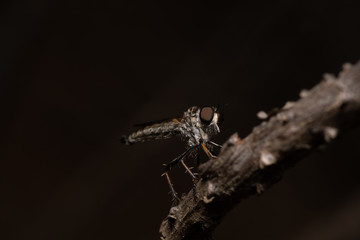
(152, 132)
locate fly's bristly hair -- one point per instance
(195, 127)
(191, 127)
(196, 130)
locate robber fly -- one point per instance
(195, 127)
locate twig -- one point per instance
(249, 166)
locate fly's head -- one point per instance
(207, 118)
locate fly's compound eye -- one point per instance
(206, 115)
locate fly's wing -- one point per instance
(145, 124)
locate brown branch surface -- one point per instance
(249, 166)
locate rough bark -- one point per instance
(248, 166)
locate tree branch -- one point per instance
(249, 166)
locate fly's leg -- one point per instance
(198, 160)
(170, 165)
(193, 176)
(206, 150)
(172, 190)
(179, 158)
(214, 144)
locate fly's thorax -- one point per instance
(192, 134)
(192, 129)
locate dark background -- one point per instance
(77, 74)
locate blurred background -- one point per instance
(75, 75)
